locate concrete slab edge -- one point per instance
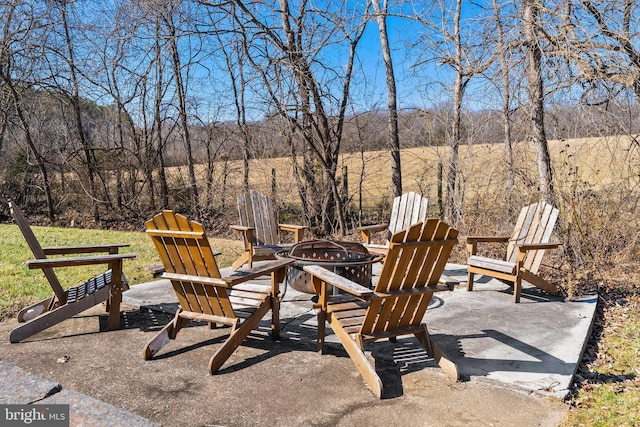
(19, 387)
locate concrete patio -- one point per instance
(516, 363)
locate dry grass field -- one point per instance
(596, 180)
(589, 163)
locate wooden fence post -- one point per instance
(273, 183)
(345, 188)
(440, 208)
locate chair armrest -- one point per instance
(366, 231)
(331, 278)
(449, 282)
(487, 239)
(203, 280)
(413, 291)
(77, 261)
(66, 250)
(241, 228)
(248, 235)
(292, 227)
(233, 279)
(373, 227)
(537, 246)
(472, 242)
(156, 270)
(298, 230)
(241, 276)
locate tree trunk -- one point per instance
(27, 133)
(506, 101)
(75, 100)
(536, 98)
(392, 107)
(452, 208)
(157, 120)
(182, 112)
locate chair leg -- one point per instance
(322, 319)
(163, 337)
(517, 288)
(275, 317)
(434, 350)
(57, 315)
(539, 282)
(470, 281)
(238, 335)
(160, 340)
(359, 358)
(242, 259)
(115, 295)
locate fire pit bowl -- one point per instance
(348, 259)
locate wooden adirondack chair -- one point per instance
(203, 295)
(407, 210)
(410, 275)
(106, 287)
(525, 249)
(259, 230)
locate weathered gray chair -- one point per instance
(525, 249)
(259, 230)
(408, 209)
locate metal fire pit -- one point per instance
(348, 259)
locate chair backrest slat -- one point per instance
(37, 251)
(551, 216)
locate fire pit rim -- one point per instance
(366, 258)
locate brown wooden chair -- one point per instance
(525, 249)
(65, 303)
(204, 295)
(408, 209)
(259, 230)
(410, 275)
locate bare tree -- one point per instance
(452, 207)
(233, 50)
(393, 135)
(168, 18)
(304, 96)
(467, 56)
(506, 97)
(601, 41)
(17, 30)
(158, 152)
(530, 22)
(74, 97)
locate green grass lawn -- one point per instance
(20, 285)
(611, 397)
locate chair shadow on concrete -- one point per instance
(539, 361)
(258, 339)
(144, 318)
